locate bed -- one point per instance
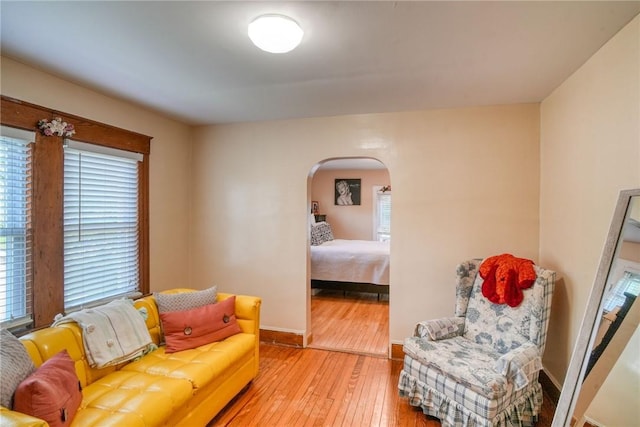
(348, 265)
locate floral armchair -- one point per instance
(480, 368)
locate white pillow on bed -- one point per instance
(320, 233)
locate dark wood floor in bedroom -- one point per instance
(318, 387)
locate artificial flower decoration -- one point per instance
(56, 127)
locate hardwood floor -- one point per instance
(356, 323)
(317, 387)
(311, 387)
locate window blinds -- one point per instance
(100, 224)
(383, 202)
(15, 227)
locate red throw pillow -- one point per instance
(52, 392)
(192, 328)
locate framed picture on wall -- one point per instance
(315, 207)
(347, 192)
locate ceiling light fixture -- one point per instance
(275, 33)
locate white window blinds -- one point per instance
(101, 259)
(15, 227)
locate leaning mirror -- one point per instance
(611, 318)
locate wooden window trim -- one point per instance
(47, 210)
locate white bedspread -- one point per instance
(360, 261)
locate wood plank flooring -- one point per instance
(311, 387)
(356, 323)
(317, 387)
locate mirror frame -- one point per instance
(591, 321)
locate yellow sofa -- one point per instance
(187, 388)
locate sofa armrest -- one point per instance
(247, 312)
(248, 315)
(9, 418)
(520, 365)
(438, 329)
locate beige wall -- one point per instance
(590, 150)
(169, 159)
(465, 184)
(630, 251)
(460, 193)
(348, 222)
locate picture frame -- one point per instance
(347, 192)
(315, 207)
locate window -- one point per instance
(381, 214)
(15, 227)
(629, 283)
(100, 224)
(89, 230)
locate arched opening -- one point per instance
(349, 256)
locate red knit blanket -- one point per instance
(505, 276)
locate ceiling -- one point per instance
(194, 62)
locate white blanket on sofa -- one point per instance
(112, 333)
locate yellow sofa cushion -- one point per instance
(132, 399)
(10, 418)
(48, 342)
(199, 365)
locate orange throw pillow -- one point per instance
(52, 392)
(188, 329)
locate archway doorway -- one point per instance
(349, 303)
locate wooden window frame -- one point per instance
(47, 208)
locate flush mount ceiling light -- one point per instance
(275, 33)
